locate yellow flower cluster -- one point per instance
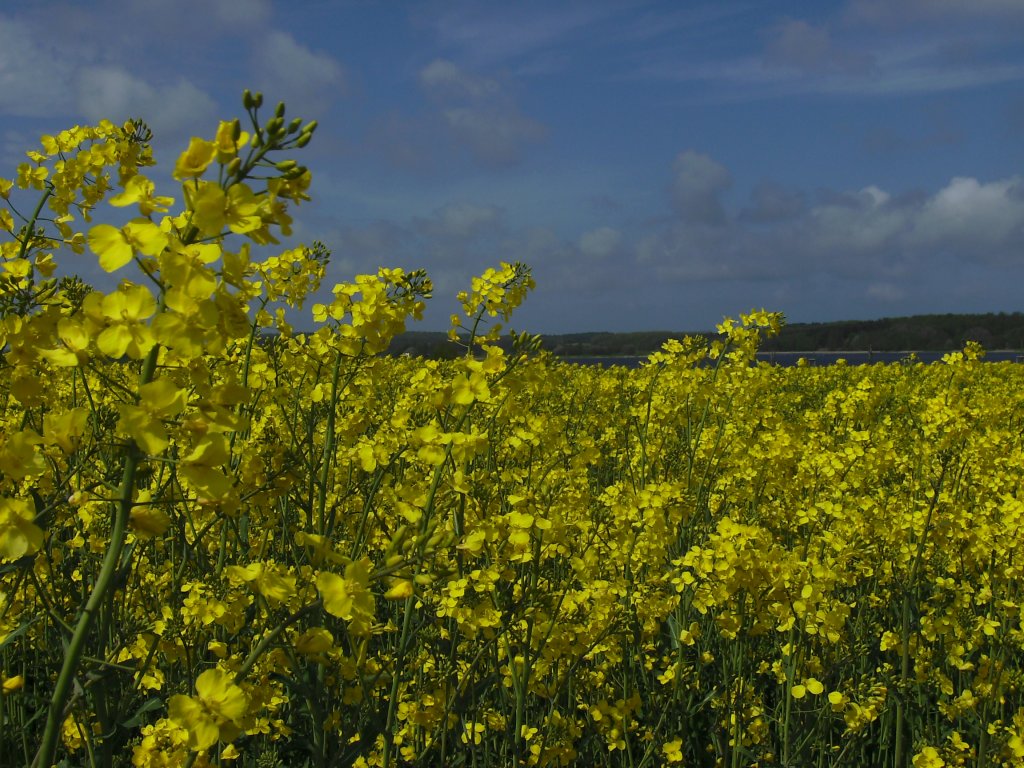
(218, 544)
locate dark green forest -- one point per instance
(918, 333)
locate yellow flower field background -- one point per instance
(222, 546)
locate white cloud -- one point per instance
(869, 250)
(887, 292)
(797, 44)
(115, 94)
(492, 33)
(306, 80)
(867, 235)
(601, 242)
(864, 224)
(465, 219)
(698, 182)
(681, 253)
(772, 203)
(443, 80)
(967, 221)
(801, 46)
(13, 145)
(889, 11)
(494, 136)
(479, 114)
(218, 17)
(34, 79)
(846, 59)
(237, 13)
(37, 80)
(967, 212)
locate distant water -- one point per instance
(787, 359)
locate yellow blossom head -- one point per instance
(194, 161)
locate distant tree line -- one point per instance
(938, 333)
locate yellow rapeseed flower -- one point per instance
(194, 161)
(214, 714)
(350, 597)
(19, 535)
(928, 758)
(12, 684)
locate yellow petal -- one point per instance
(335, 594)
(146, 236)
(162, 397)
(400, 591)
(62, 358)
(218, 691)
(114, 340)
(192, 716)
(12, 684)
(195, 160)
(147, 521)
(112, 247)
(148, 432)
(19, 535)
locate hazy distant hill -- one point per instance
(918, 333)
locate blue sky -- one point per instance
(658, 164)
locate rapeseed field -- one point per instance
(221, 547)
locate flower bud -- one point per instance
(303, 139)
(279, 112)
(247, 101)
(310, 126)
(234, 166)
(257, 99)
(294, 125)
(285, 165)
(236, 130)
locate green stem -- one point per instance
(104, 584)
(325, 470)
(403, 642)
(905, 624)
(30, 225)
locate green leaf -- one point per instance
(136, 720)
(12, 636)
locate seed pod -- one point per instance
(398, 538)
